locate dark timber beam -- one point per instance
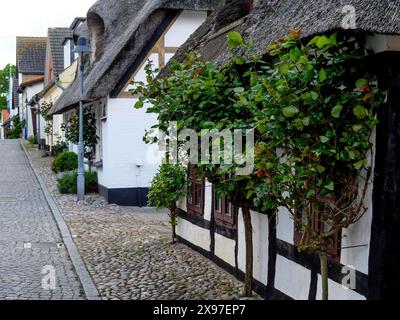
(384, 260)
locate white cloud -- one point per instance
(33, 18)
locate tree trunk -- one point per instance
(173, 223)
(324, 275)
(248, 228)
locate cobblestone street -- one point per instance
(29, 236)
(127, 250)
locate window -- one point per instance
(224, 211)
(334, 246)
(195, 198)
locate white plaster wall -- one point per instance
(186, 24)
(292, 279)
(67, 54)
(260, 245)
(337, 291)
(225, 249)
(126, 160)
(194, 234)
(358, 235)
(285, 226)
(208, 194)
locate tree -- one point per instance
(167, 188)
(90, 137)
(5, 84)
(313, 107)
(199, 96)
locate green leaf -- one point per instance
(269, 165)
(290, 112)
(359, 164)
(330, 186)
(361, 83)
(357, 127)
(360, 112)
(322, 41)
(294, 54)
(249, 194)
(235, 40)
(336, 111)
(320, 169)
(322, 75)
(324, 139)
(139, 105)
(239, 90)
(314, 95)
(306, 121)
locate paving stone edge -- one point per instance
(89, 287)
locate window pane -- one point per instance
(198, 195)
(190, 192)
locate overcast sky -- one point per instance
(32, 18)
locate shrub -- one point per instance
(65, 161)
(16, 130)
(68, 183)
(59, 148)
(32, 140)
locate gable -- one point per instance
(175, 35)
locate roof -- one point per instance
(56, 36)
(74, 25)
(272, 19)
(29, 83)
(130, 28)
(31, 54)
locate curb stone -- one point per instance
(89, 287)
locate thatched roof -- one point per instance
(272, 19)
(130, 29)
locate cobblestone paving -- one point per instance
(29, 237)
(128, 254)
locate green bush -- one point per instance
(16, 131)
(59, 148)
(68, 183)
(32, 140)
(65, 161)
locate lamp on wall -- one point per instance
(81, 48)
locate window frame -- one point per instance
(193, 184)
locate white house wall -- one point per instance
(185, 25)
(291, 278)
(125, 155)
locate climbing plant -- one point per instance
(90, 137)
(167, 188)
(313, 106)
(48, 119)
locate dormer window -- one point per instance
(97, 35)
